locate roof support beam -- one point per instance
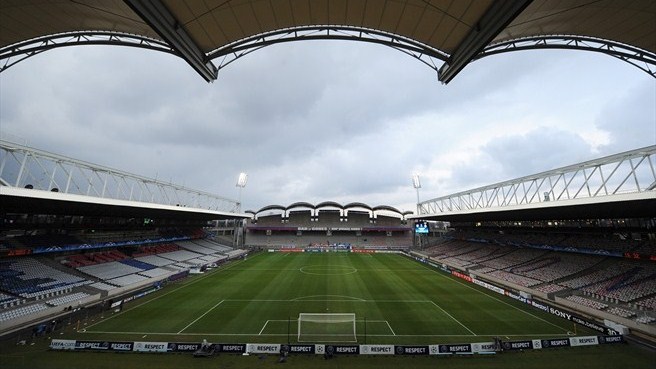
(497, 17)
(160, 19)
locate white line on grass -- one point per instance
(182, 286)
(305, 298)
(451, 316)
(195, 320)
(390, 327)
(492, 297)
(262, 330)
(368, 335)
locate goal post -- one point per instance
(326, 327)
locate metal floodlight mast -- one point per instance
(416, 183)
(241, 183)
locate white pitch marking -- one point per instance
(262, 330)
(390, 327)
(205, 313)
(451, 316)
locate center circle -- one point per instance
(327, 270)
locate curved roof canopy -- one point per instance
(453, 32)
(329, 204)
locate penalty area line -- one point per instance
(390, 328)
(451, 316)
(264, 326)
(197, 319)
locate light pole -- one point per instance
(417, 185)
(241, 183)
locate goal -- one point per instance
(326, 327)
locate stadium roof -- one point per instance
(452, 31)
(330, 204)
(635, 205)
(31, 201)
(621, 185)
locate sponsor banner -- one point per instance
(86, 246)
(433, 349)
(91, 345)
(141, 294)
(376, 349)
(583, 341)
(559, 342)
(115, 304)
(232, 348)
(19, 252)
(482, 347)
(610, 339)
(290, 250)
(302, 349)
(517, 345)
(319, 349)
(364, 251)
(517, 297)
(62, 344)
(121, 346)
(150, 346)
(562, 314)
(537, 344)
(489, 286)
(263, 348)
(183, 347)
(464, 348)
(342, 349)
(461, 275)
(411, 350)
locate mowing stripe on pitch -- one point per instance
(170, 292)
(451, 316)
(212, 308)
(490, 296)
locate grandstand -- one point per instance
(379, 227)
(93, 258)
(589, 275)
(67, 251)
(598, 268)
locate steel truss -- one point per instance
(417, 50)
(16, 53)
(25, 167)
(13, 54)
(628, 172)
(641, 59)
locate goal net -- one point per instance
(316, 327)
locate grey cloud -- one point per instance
(516, 156)
(308, 121)
(631, 119)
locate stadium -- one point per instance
(101, 267)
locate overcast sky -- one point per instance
(328, 120)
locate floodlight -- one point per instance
(241, 181)
(415, 181)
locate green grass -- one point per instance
(259, 299)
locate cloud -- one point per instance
(317, 121)
(630, 120)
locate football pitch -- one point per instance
(394, 299)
